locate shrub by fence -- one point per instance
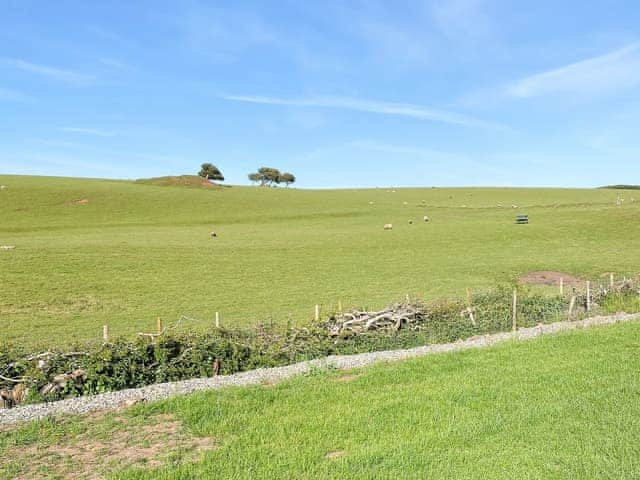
(126, 363)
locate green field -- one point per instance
(135, 251)
(562, 407)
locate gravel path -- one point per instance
(115, 400)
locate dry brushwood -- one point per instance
(391, 318)
(59, 382)
(13, 397)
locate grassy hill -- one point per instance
(561, 407)
(178, 181)
(95, 252)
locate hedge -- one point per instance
(127, 363)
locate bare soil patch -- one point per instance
(81, 201)
(334, 455)
(548, 277)
(348, 377)
(98, 451)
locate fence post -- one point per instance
(217, 320)
(105, 333)
(572, 304)
(561, 286)
(611, 280)
(317, 313)
(159, 325)
(339, 306)
(588, 295)
(515, 308)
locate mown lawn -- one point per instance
(135, 251)
(557, 407)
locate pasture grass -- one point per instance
(557, 407)
(134, 251)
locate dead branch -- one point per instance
(392, 318)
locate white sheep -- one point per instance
(388, 226)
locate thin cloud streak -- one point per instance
(7, 95)
(617, 69)
(67, 76)
(369, 106)
(88, 131)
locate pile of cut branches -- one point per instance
(394, 317)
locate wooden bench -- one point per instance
(522, 219)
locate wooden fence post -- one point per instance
(105, 333)
(159, 325)
(217, 320)
(588, 295)
(572, 304)
(515, 308)
(339, 306)
(561, 286)
(317, 313)
(611, 280)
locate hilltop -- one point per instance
(179, 181)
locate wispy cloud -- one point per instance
(88, 131)
(222, 34)
(462, 18)
(107, 152)
(614, 70)
(108, 35)
(67, 76)
(12, 95)
(394, 149)
(112, 63)
(369, 106)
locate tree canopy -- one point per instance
(267, 176)
(287, 178)
(210, 172)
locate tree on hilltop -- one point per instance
(287, 178)
(255, 177)
(210, 172)
(267, 176)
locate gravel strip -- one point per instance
(115, 400)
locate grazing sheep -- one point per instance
(213, 234)
(514, 206)
(370, 203)
(410, 222)
(405, 203)
(388, 226)
(2, 187)
(425, 218)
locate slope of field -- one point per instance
(562, 407)
(95, 252)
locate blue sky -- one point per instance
(341, 93)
